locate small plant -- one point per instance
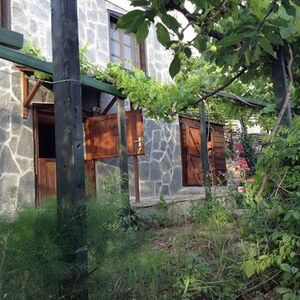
(211, 213)
(31, 49)
(163, 204)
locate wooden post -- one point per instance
(204, 151)
(71, 213)
(123, 153)
(280, 85)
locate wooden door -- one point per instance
(191, 152)
(45, 162)
(46, 179)
(102, 140)
(190, 148)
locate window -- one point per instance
(124, 48)
(5, 13)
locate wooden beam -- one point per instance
(11, 39)
(47, 67)
(204, 151)
(123, 154)
(136, 163)
(24, 84)
(109, 106)
(71, 210)
(27, 98)
(241, 100)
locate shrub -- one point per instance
(271, 229)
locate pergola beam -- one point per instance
(109, 106)
(11, 38)
(47, 67)
(242, 100)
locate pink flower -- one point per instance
(239, 148)
(242, 163)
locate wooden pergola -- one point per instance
(11, 42)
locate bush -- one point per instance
(272, 227)
(31, 260)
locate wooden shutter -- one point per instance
(102, 140)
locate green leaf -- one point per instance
(142, 32)
(130, 17)
(282, 290)
(170, 22)
(274, 38)
(267, 46)
(162, 34)
(200, 3)
(249, 268)
(285, 267)
(135, 24)
(175, 66)
(290, 9)
(296, 2)
(232, 39)
(139, 2)
(200, 43)
(188, 52)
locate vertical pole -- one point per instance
(136, 179)
(71, 212)
(123, 153)
(280, 84)
(204, 151)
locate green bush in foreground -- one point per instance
(272, 227)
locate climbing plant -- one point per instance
(244, 38)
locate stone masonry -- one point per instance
(160, 167)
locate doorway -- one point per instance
(45, 158)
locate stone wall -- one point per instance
(16, 145)
(159, 168)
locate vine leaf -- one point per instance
(162, 34)
(142, 32)
(175, 66)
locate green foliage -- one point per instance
(244, 34)
(272, 226)
(212, 214)
(31, 258)
(31, 49)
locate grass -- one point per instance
(197, 258)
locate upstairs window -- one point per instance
(124, 48)
(5, 13)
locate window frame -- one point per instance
(5, 13)
(139, 50)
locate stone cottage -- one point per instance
(169, 157)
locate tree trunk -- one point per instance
(280, 85)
